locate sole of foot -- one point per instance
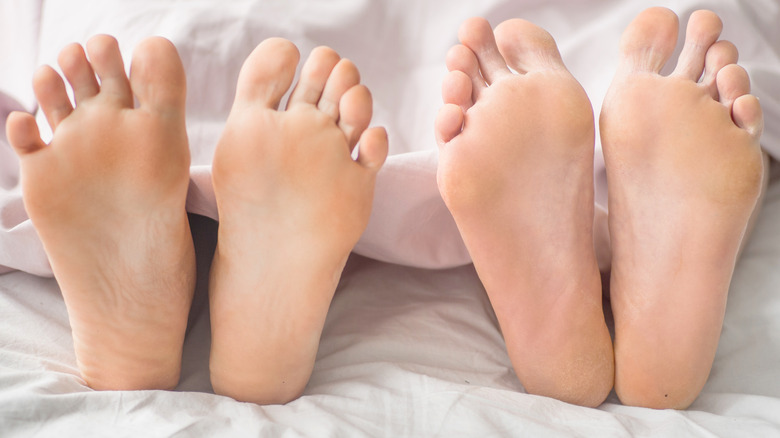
(684, 170)
(292, 203)
(107, 198)
(516, 172)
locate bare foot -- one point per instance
(107, 198)
(684, 168)
(516, 171)
(292, 204)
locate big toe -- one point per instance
(649, 40)
(267, 73)
(527, 47)
(157, 75)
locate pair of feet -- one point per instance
(684, 171)
(107, 197)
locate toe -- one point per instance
(461, 58)
(746, 113)
(703, 30)
(732, 82)
(52, 96)
(648, 42)
(373, 148)
(106, 60)
(456, 89)
(476, 34)
(22, 133)
(733, 85)
(355, 107)
(721, 54)
(527, 47)
(343, 77)
(78, 72)
(157, 75)
(267, 73)
(448, 124)
(314, 76)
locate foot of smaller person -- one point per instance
(684, 170)
(292, 203)
(107, 198)
(516, 171)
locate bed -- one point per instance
(411, 346)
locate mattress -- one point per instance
(411, 346)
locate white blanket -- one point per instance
(406, 351)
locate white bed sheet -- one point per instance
(406, 351)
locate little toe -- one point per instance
(267, 73)
(456, 89)
(355, 107)
(649, 40)
(527, 47)
(51, 95)
(22, 132)
(732, 81)
(314, 76)
(721, 54)
(448, 124)
(106, 60)
(78, 72)
(373, 148)
(703, 30)
(746, 113)
(343, 77)
(461, 58)
(476, 34)
(157, 75)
